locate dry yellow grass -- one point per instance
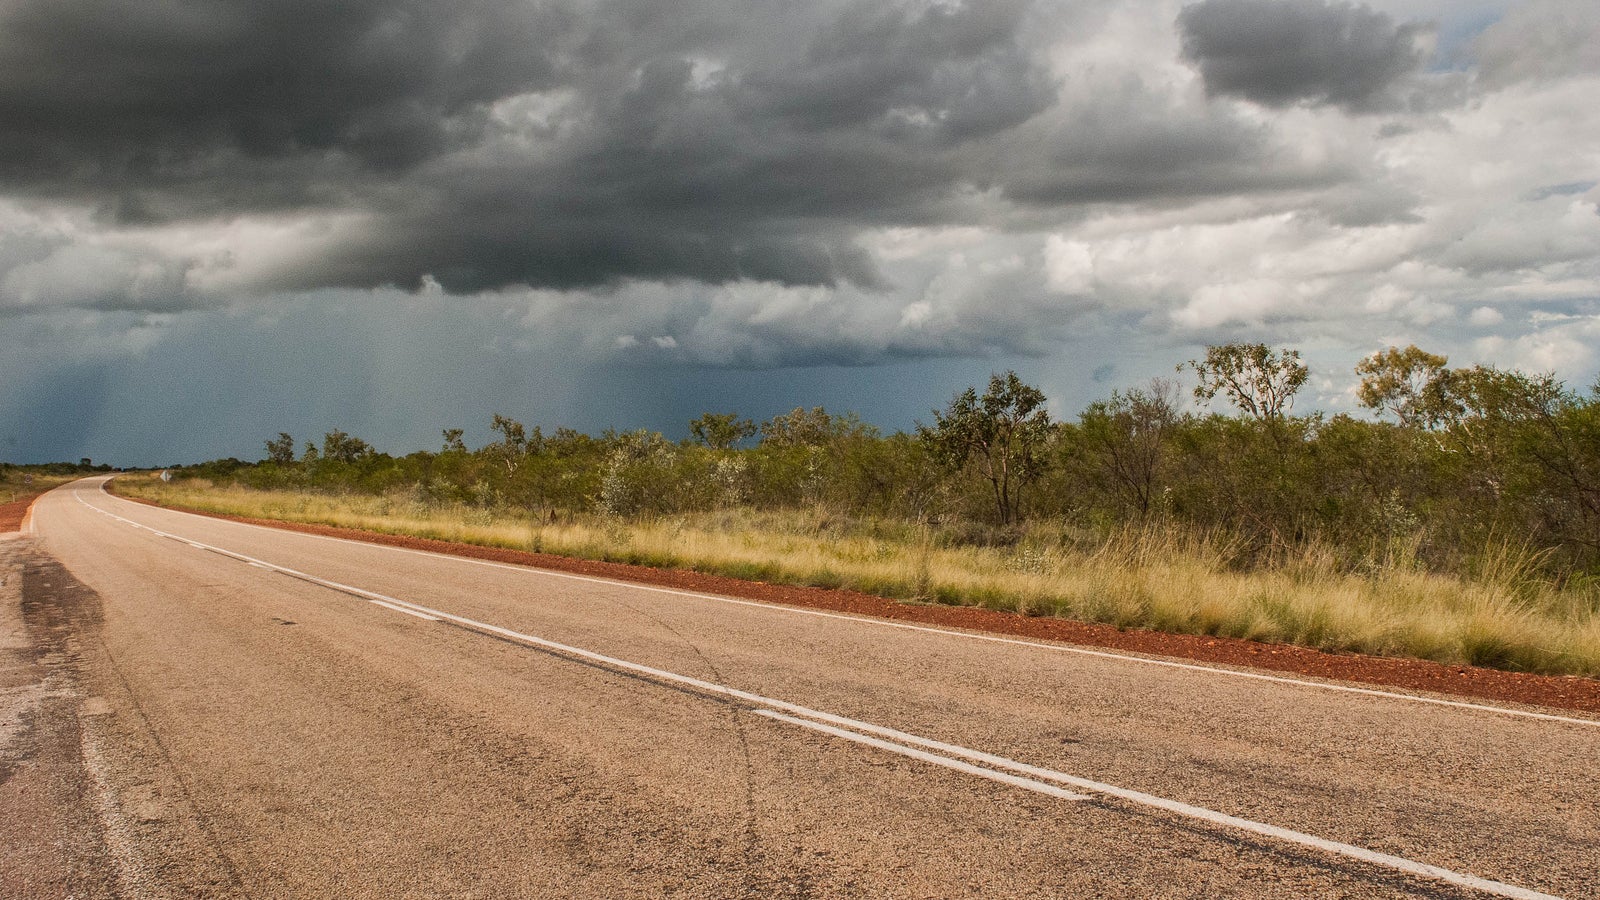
(1141, 578)
(13, 486)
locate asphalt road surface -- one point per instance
(193, 707)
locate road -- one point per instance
(226, 710)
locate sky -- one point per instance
(221, 220)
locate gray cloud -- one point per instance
(127, 94)
(683, 147)
(494, 143)
(937, 73)
(1122, 144)
(1541, 40)
(42, 269)
(1280, 53)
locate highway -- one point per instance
(253, 712)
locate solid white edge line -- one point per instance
(1397, 863)
(883, 623)
(1027, 784)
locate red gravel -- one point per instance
(1558, 691)
(12, 513)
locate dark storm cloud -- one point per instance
(1122, 145)
(759, 168)
(149, 93)
(1282, 52)
(949, 72)
(489, 143)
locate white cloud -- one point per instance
(1569, 347)
(1069, 264)
(1486, 317)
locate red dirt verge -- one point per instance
(1558, 691)
(14, 512)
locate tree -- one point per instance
(281, 449)
(721, 431)
(639, 473)
(1126, 438)
(1259, 381)
(1403, 382)
(1004, 431)
(1491, 415)
(453, 442)
(336, 445)
(812, 427)
(514, 443)
(1463, 401)
(1528, 440)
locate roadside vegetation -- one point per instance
(21, 483)
(1463, 527)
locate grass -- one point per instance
(1152, 577)
(13, 487)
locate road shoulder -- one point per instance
(92, 805)
(55, 841)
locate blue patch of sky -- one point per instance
(1453, 52)
(1568, 189)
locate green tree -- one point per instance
(1403, 382)
(721, 431)
(812, 427)
(336, 445)
(281, 449)
(1125, 439)
(1472, 403)
(515, 443)
(1003, 433)
(453, 442)
(639, 474)
(1259, 381)
(1530, 449)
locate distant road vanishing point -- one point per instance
(262, 713)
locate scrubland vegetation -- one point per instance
(1465, 527)
(23, 482)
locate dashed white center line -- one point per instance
(401, 609)
(1027, 784)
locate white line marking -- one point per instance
(1175, 807)
(370, 596)
(1027, 784)
(883, 623)
(409, 612)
